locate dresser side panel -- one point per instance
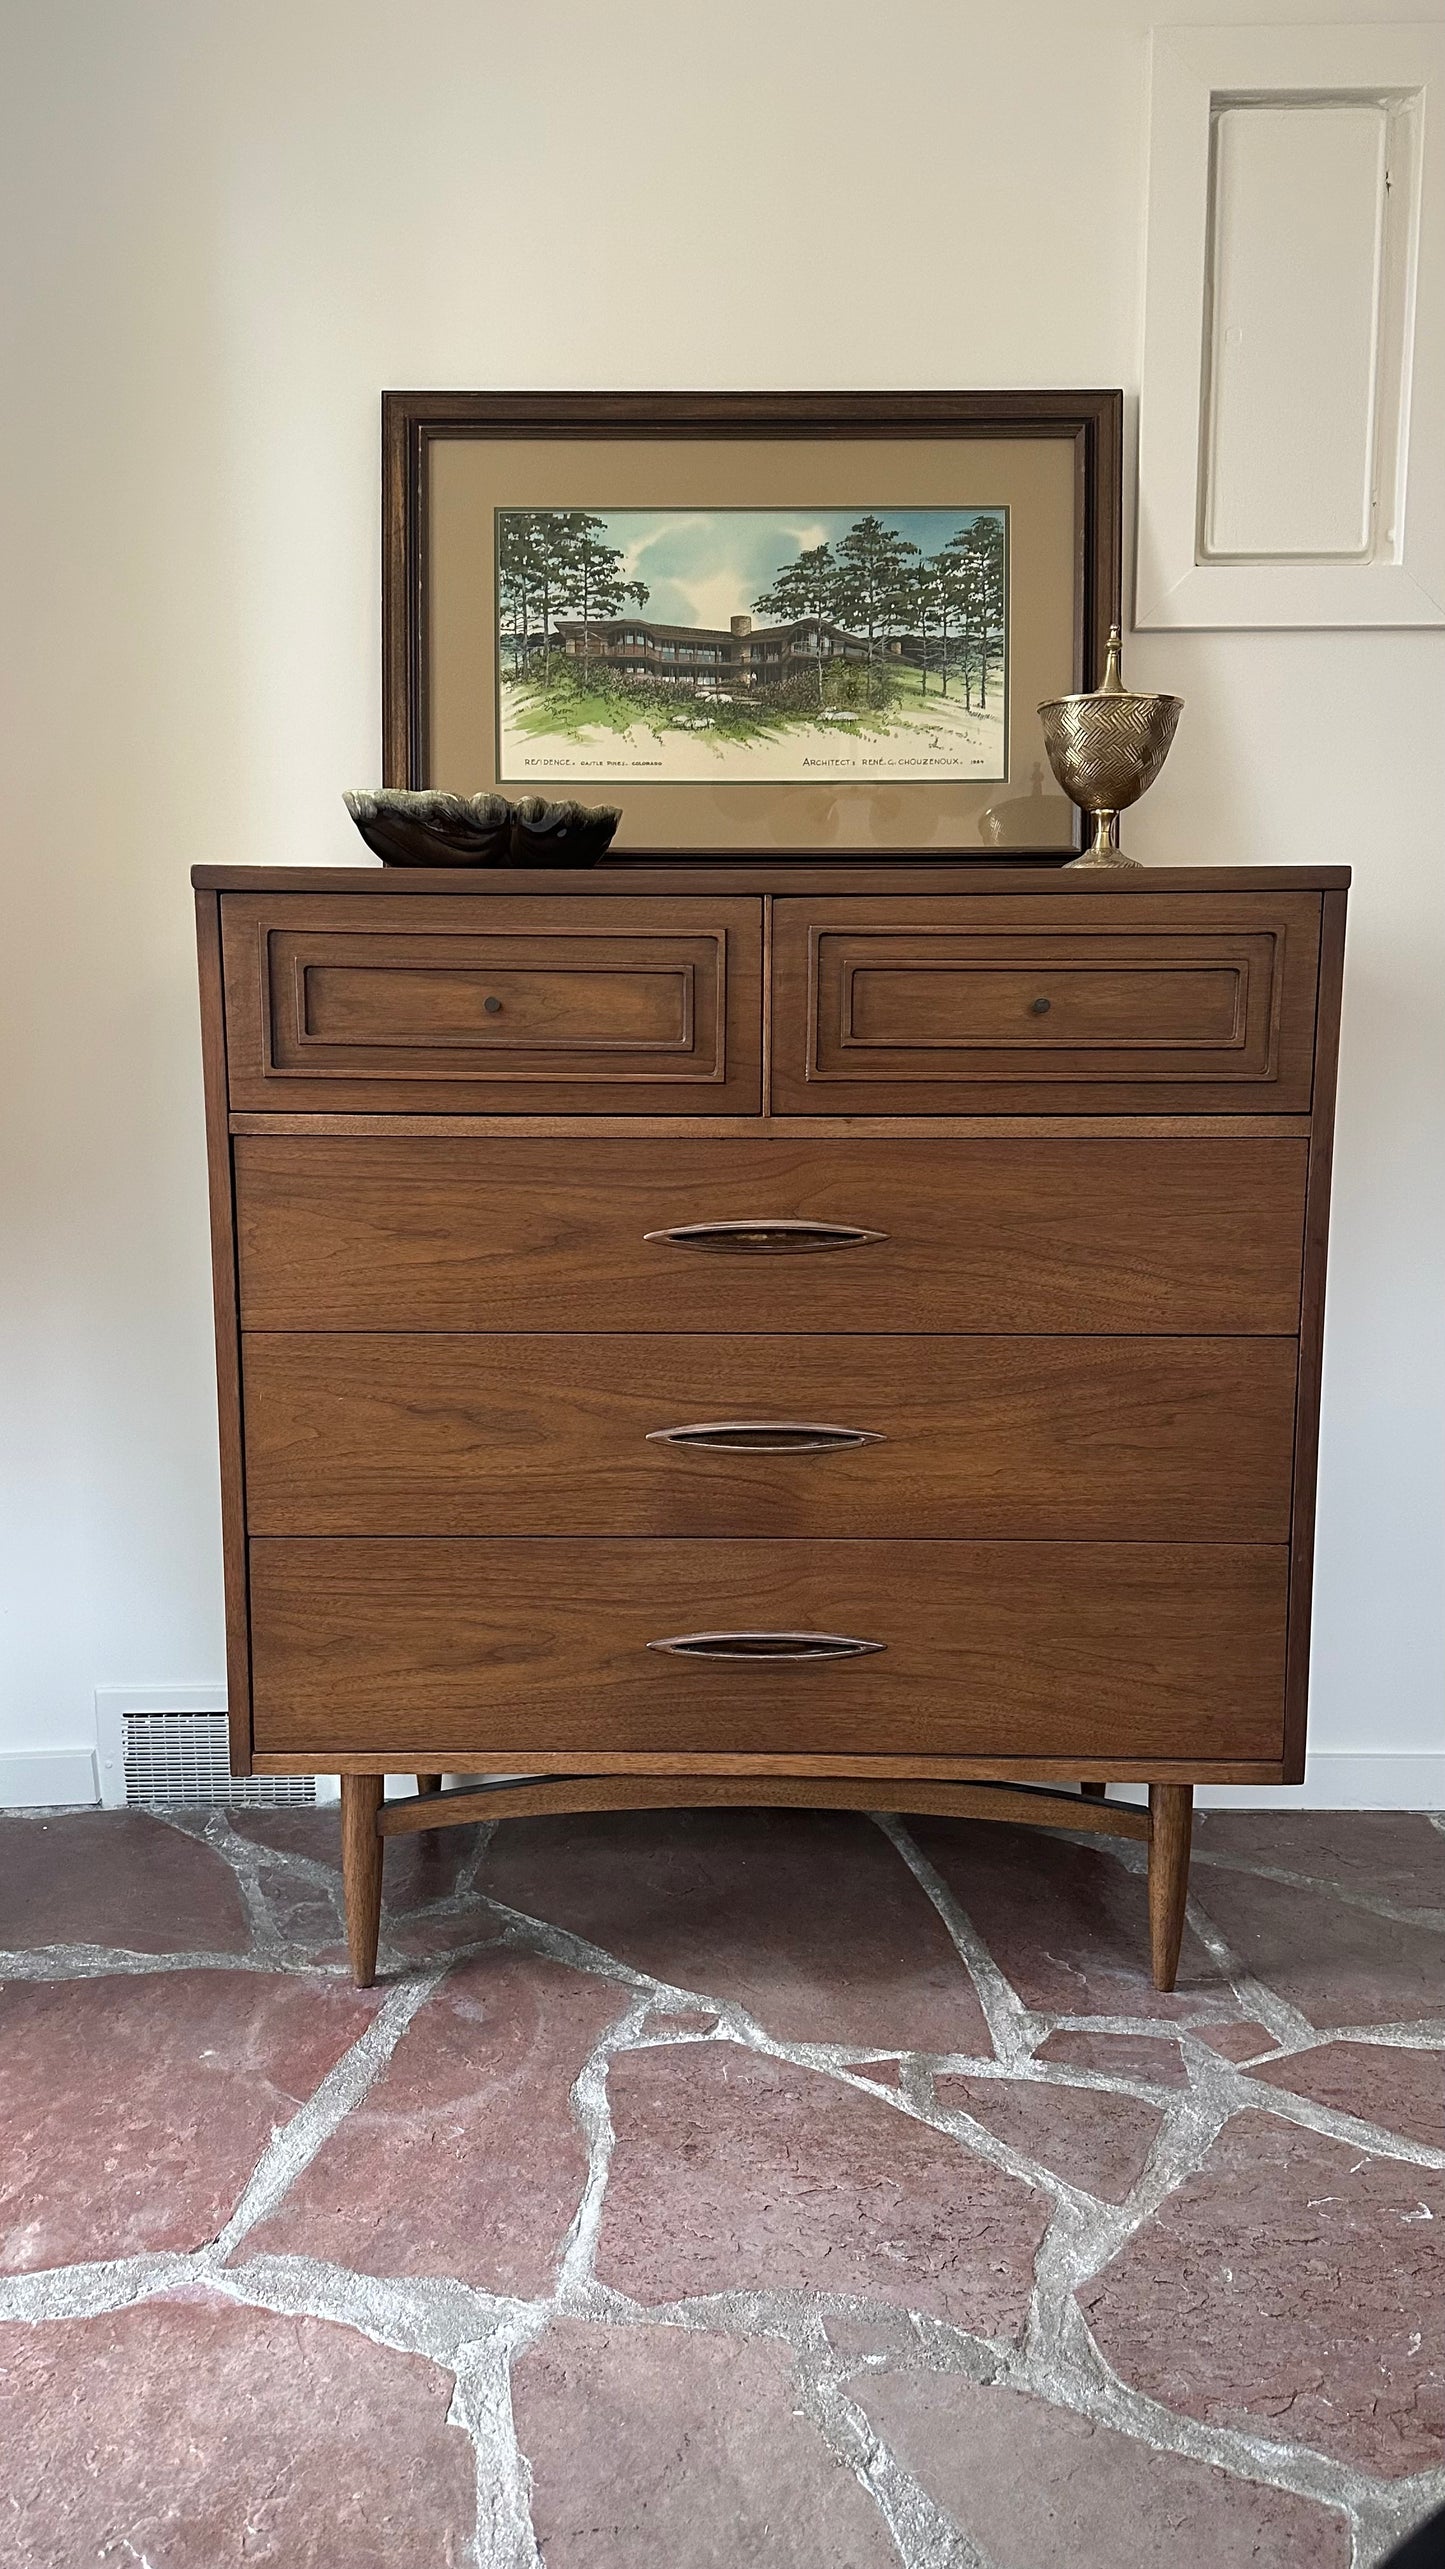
(225, 1294)
(1312, 1322)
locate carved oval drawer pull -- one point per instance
(775, 1238)
(765, 1646)
(765, 1436)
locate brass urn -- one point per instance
(1106, 749)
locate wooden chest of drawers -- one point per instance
(770, 1331)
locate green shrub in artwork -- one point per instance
(577, 694)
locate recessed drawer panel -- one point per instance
(1166, 1439)
(1189, 1235)
(1124, 1651)
(1172, 1005)
(645, 1007)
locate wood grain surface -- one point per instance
(1174, 1003)
(1194, 1237)
(1114, 1650)
(1163, 1439)
(642, 1007)
(1036, 1808)
(224, 1305)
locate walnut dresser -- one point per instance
(758, 1331)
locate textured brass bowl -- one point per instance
(1106, 749)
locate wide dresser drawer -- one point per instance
(503, 1007)
(509, 1646)
(1150, 1003)
(416, 1432)
(1187, 1234)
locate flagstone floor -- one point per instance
(750, 2190)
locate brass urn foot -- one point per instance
(1103, 847)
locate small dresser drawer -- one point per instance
(1154, 1439)
(498, 1006)
(494, 1649)
(1192, 1235)
(1173, 1003)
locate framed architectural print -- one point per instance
(801, 620)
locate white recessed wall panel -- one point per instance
(1297, 237)
(1292, 397)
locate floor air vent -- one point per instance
(183, 1757)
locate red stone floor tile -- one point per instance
(1067, 1924)
(1395, 1855)
(1148, 2056)
(183, 2434)
(115, 1878)
(809, 1919)
(1088, 2138)
(1237, 2042)
(464, 2158)
(1400, 2091)
(661, 2448)
(135, 2107)
(1295, 2287)
(735, 2172)
(1036, 2486)
(1338, 1964)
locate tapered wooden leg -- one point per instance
(361, 1852)
(1094, 1792)
(1171, 1822)
(428, 1784)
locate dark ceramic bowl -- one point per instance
(433, 829)
(404, 828)
(561, 833)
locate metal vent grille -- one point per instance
(183, 1757)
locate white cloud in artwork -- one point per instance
(654, 533)
(711, 602)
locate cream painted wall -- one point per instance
(228, 226)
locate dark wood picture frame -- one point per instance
(413, 421)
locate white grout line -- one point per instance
(1016, 2029)
(294, 2144)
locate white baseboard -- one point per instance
(1346, 1780)
(38, 1779)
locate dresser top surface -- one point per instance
(768, 872)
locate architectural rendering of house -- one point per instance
(705, 656)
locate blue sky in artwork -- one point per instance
(701, 566)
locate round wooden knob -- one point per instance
(493, 1007)
(1040, 1007)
